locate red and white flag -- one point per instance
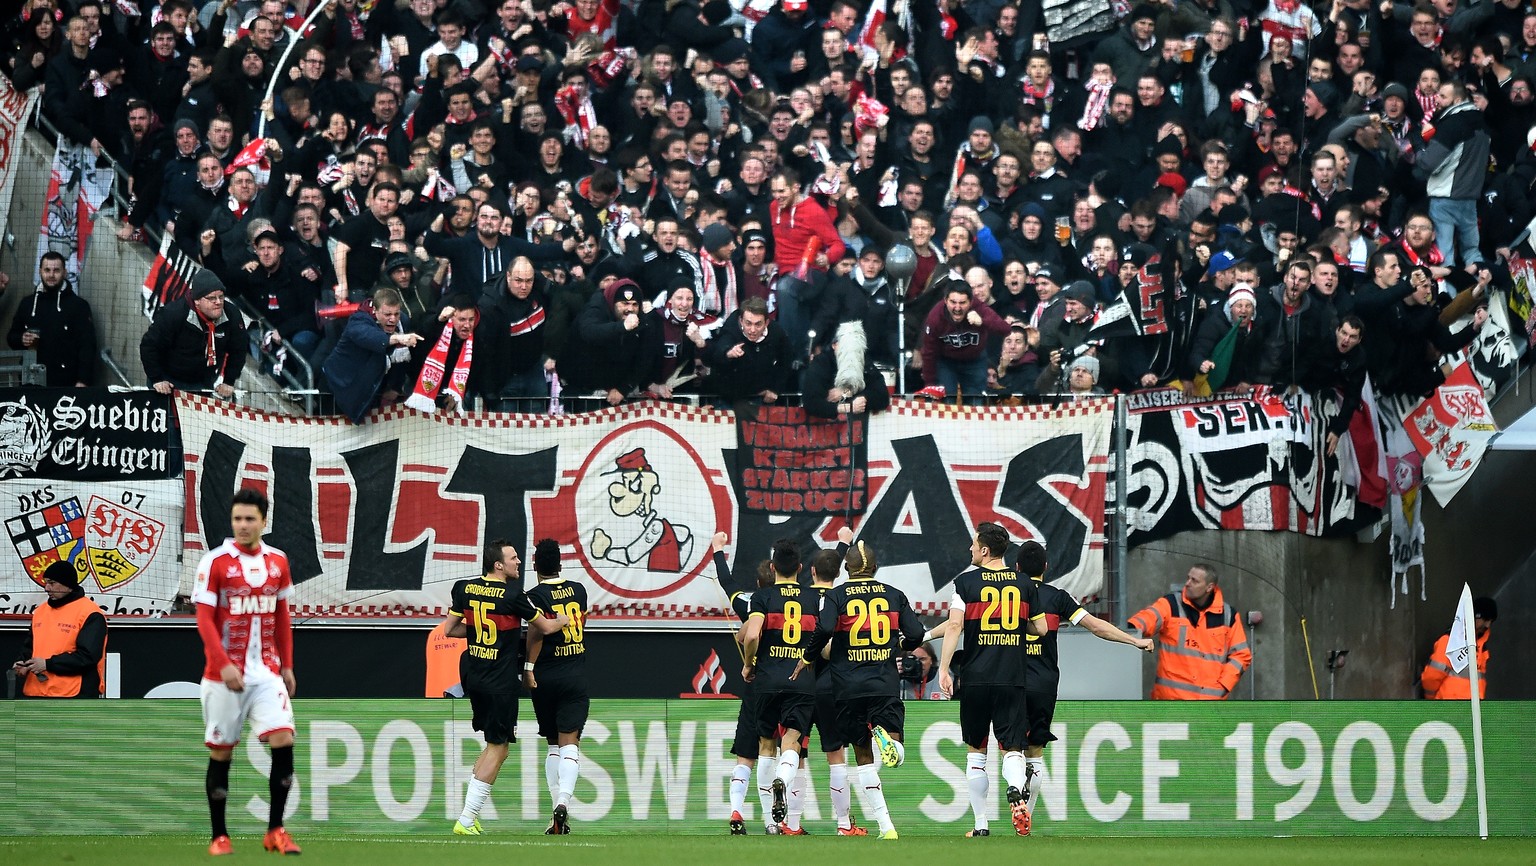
(169, 277)
(254, 157)
(865, 44)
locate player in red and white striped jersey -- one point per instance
(242, 595)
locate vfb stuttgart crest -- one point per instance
(119, 542)
(48, 535)
(106, 539)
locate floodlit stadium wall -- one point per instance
(1118, 768)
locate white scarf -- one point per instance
(713, 299)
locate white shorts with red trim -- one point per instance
(264, 703)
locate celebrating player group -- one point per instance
(823, 655)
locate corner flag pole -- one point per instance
(1461, 651)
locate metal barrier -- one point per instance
(117, 369)
(303, 389)
(19, 367)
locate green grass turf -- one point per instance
(713, 851)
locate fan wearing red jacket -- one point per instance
(242, 595)
(804, 241)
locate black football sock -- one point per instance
(281, 781)
(217, 785)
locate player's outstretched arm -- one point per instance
(1101, 629)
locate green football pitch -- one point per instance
(712, 851)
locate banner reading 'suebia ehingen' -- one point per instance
(794, 464)
(85, 434)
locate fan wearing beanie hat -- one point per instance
(1226, 350)
(196, 343)
(64, 653)
(606, 350)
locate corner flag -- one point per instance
(1463, 640)
(1459, 649)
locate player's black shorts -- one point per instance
(495, 716)
(985, 707)
(745, 744)
(1042, 708)
(784, 710)
(825, 719)
(856, 715)
(561, 705)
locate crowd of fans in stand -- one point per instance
(646, 198)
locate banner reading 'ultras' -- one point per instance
(655, 767)
(382, 518)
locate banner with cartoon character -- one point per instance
(77, 189)
(382, 518)
(1256, 461)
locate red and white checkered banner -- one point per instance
(382, 518)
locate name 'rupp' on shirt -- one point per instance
(788, 612)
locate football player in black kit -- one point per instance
(998, 611)
(780, 624)
(556, 676)
(490, 611)
(1043, 675)
(865, 621)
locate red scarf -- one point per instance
(210, 351)
(1098, 99)
(424, 396)
(578, 113)
(1434, 258)
(716, 299)
(1033, 94)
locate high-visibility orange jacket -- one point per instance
(443, 654)
(1442, 683)
(73, 639)
(1202, 653)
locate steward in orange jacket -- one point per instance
(65, 652)
(1202, 647)
(1440, 680)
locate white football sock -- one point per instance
(552, 772)
(977, 781)
(570, 768)
(766, 768)
(1013, 770)
(797, 791)
(837, 784)
(740, 776)
(474, 801)
(1036, 782)
(869, 779)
